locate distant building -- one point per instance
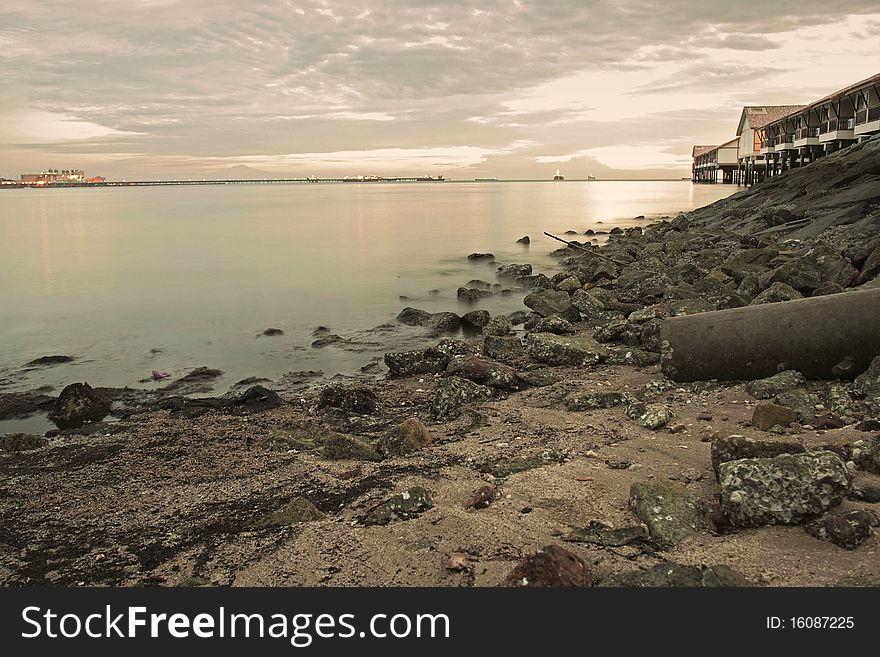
(753, 122)
(709, 160)
(774, 138)
(56, 176)
(847, 116)
(558, 176)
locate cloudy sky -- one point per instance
(178, 88)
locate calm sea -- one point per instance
(132, 280)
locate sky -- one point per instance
(147, 89)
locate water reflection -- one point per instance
(107, 275)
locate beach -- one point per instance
(550, 445)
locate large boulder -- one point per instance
(484, 371)
(575, 350)
(548, 302)
(431, 359)
(514, 270)
(505, 348)
(736, 447)
(476, 318)
(77, 404)
(668, 509)
(539, 281)
(554, 324)
(417, 361)
(867, 384)
(846, 530)
(498, 325)
(444, 321)
(650, 416)
(775, 385)
(568, 285)
(633, 357)
(642, 283)
(591, 401)
(403, 506)
(471, 295)
(454, 392)
(871, 267)
(586, 304)
(802, 402)
(339, 447)
(551, 566)
(767, 415)
(354, 399)
(868, 455)
(777, 292)
(671, 574)
(787, 489)
(801, 274)
(405, 438)
(21, 442)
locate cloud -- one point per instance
(51, 127)
(184, 81)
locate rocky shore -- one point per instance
(546, 447)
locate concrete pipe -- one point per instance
(826, 337)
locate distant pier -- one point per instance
(772, 139)
(240, 181)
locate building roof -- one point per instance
(761, 115)
(874, 79)
(701, 150)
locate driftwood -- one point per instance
(571, 244)
(590, 251)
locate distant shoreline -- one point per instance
(321, 181)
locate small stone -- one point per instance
(458, 561)
(299, 509)
(482, 497)
(677, 575)
(404, 506)
(669, 510)
(775, 385)
(551, 566)
(498, 325)
(651, 416)
(339, 447)
(409, 436)
(588, 401)
(869, 455)
(735, 447)
(77, 404)
(476, 318)
(454, 392)
(600, 534)
(768, 415)
(354, 399)
(21, 442)
(575, 350)
(846, 530)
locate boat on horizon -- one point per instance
(558, 176)
(590, 176)
(487, 179)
